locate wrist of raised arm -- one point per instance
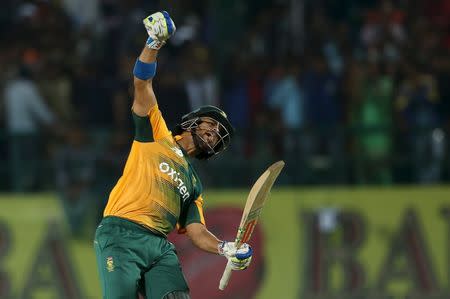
(143, 70)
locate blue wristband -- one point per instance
(144, 71)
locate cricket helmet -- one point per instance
(192, 120)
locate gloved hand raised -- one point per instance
(160, 27)
(240, 258)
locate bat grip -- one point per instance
(225, 276)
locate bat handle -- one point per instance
(225, 276)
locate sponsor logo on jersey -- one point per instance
(175, 177)
(177, 151)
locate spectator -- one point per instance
(323, 111)
(287, 98)
(374, 123)
(201, 83)
(81, 12)
(26, 113)
(56, 88)
(418, 102)
(236, 94)
(236, 102)
(75, 173)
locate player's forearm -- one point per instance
(203, 238)
(144, 96)
(208, 242)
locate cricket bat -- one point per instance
(255, 202)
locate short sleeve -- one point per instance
(151, 127)
(194, 215)
(142, 128)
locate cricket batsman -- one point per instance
(159, 191)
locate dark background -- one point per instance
(346, 92)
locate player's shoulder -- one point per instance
(175, 148)
(171, 149)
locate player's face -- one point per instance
(208, 130)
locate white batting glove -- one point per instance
(240, 258)
(160, 27)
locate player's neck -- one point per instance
(186, 142)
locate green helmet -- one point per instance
(190, 122)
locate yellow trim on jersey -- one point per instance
(199, 204)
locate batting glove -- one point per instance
(160, 27)
(240, 258)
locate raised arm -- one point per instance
(144, 97)
(160, 27)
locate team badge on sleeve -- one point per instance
(110, 264)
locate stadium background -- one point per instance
(352, 94)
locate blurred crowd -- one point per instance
(345, 91)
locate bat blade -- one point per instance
(256, 199)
